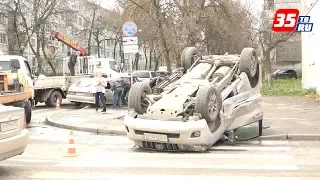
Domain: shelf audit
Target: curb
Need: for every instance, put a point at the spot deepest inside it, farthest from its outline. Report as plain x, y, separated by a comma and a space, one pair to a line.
84, 129
306, 137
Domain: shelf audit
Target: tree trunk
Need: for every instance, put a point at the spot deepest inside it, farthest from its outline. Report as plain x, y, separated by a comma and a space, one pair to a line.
145, 56
268, 67
45, 55
91, 29
137, 56
150, 55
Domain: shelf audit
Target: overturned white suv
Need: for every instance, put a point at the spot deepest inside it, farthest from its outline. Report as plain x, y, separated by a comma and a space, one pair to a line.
207, 99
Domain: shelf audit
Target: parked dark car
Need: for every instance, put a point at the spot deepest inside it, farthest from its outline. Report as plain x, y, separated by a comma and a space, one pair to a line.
285, 74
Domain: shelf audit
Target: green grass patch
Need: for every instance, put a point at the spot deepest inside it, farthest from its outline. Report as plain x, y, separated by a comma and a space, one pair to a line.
286, 87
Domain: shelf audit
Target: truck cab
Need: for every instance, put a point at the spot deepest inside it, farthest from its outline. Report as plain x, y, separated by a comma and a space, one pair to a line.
5, 67
14, 72
109, 66
24, 68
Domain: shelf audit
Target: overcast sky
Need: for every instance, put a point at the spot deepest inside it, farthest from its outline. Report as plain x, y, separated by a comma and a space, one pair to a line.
256, 4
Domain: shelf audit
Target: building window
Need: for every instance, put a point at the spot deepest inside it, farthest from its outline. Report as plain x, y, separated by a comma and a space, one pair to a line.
270, 4
108, 53
2, 19
48, 27
33, 42
108, 42
3, 39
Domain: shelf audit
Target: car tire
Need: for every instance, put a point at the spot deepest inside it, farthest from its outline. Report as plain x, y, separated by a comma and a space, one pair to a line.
77, 104
136, 97
188, 57
208, 99
28, 111
52, 100
249, 62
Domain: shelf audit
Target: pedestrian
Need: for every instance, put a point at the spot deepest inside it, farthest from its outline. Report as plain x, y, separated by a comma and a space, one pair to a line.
126, 87
117, 92
71, 64
100, 85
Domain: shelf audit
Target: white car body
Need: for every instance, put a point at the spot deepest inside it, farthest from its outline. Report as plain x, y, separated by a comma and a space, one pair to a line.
145, 76
83, 92
13, 134
162, 128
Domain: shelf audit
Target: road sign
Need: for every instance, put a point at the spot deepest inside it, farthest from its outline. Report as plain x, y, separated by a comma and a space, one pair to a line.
130, 49
129, 28
130, 41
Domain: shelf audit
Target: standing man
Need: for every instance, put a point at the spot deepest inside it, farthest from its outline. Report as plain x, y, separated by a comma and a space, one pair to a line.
100, 90
126, 87
117, 91
72, 62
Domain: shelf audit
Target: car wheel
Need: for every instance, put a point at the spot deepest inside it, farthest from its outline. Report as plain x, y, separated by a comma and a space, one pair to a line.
28, 111
137, 96
249, 64
208, 104
77, 104
188, 57
52, 100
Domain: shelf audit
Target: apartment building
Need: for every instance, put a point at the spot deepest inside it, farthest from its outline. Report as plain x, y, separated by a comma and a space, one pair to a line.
310, 46
286, 55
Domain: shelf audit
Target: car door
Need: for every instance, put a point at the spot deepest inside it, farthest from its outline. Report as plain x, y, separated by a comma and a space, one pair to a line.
109, 94
243, 108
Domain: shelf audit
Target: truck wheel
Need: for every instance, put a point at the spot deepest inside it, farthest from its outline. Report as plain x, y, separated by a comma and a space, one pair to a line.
137, 96
52, 100
188, 57
28, 111
208, 103
249, 62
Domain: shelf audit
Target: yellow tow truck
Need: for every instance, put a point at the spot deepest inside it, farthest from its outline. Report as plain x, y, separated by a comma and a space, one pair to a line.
16, 87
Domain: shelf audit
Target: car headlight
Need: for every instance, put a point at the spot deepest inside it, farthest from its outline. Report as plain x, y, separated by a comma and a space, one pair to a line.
195, 134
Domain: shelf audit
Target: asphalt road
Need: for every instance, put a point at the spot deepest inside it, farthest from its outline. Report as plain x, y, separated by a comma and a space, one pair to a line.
113, 157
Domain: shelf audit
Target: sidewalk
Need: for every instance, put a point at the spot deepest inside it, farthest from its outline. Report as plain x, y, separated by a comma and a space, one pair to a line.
284, 118
291, 118
90, 120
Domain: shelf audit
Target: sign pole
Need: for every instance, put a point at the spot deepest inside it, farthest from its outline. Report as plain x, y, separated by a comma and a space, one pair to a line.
131, 68
130, 43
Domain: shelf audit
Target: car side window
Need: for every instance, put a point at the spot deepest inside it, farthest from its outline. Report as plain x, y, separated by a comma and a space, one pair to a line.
142, 75
153, 74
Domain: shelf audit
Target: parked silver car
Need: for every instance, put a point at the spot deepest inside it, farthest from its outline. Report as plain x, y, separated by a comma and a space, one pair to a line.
13, 133
82, 92
145, 76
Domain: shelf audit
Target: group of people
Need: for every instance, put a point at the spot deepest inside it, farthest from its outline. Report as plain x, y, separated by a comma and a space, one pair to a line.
118, 87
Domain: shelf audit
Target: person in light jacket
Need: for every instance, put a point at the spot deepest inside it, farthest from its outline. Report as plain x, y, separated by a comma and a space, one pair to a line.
100, 85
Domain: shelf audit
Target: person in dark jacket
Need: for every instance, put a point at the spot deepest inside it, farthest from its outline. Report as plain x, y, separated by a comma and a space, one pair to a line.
117, 91
71, 64
126, 87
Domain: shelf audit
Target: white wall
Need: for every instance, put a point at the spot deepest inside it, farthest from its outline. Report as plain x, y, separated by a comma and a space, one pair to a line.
310, 47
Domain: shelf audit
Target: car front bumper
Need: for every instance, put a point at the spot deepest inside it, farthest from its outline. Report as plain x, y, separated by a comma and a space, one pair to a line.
180, 135
13, 146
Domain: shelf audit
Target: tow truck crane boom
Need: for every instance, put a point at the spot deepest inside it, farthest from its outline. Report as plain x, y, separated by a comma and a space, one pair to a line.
68, 42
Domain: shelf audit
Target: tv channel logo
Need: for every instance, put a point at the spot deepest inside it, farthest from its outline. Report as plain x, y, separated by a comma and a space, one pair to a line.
288, 20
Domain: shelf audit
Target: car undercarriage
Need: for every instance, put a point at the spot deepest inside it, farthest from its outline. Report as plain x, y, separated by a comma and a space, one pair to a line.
214, 93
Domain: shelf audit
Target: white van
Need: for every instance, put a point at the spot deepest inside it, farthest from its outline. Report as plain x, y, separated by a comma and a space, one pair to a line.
109, 67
